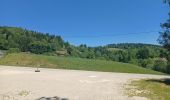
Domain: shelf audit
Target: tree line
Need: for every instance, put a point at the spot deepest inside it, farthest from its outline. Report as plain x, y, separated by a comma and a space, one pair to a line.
148, 56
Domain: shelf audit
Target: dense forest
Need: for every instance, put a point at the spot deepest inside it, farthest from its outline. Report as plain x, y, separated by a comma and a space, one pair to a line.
14, 39
29, 41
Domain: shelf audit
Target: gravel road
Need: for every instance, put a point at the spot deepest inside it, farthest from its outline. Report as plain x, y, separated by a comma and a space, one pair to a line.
22, 83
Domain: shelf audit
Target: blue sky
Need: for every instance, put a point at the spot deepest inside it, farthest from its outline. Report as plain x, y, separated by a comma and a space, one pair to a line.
91, 22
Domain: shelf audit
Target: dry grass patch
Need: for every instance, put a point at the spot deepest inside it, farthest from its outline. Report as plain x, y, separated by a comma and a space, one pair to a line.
153, 89
24, 93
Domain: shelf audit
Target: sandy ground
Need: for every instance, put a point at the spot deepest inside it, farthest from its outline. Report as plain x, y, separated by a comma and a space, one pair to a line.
20, 83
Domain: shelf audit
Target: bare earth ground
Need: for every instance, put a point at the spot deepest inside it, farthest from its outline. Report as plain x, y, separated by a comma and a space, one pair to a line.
21, 83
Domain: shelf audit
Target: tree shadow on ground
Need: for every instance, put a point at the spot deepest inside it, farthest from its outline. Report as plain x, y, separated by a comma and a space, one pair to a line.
52, 98
164, 80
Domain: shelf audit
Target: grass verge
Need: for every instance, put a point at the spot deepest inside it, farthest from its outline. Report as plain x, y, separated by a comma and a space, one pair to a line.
153, 89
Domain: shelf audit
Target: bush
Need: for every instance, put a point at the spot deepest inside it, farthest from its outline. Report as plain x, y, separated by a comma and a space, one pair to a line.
150, 63
168, 68
13, 50
160, 65
143, 62
39, 47
134, 61
146, 63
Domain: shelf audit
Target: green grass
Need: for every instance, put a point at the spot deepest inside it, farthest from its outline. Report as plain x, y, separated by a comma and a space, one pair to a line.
32, 60
153, 89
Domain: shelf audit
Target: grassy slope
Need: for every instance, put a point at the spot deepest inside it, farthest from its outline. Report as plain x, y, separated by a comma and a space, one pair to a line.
23, 59
154, 89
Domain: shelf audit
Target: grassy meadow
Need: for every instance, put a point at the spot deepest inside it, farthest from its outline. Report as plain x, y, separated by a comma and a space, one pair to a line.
33, 60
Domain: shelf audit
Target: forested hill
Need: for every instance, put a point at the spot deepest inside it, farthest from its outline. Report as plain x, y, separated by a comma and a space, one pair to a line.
14, 39
32, 41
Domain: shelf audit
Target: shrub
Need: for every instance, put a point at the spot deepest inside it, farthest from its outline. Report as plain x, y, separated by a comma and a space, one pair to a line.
150, 63
39, 47
134, 61
13, 50
168, 68
160, 65
146, 63
143, 62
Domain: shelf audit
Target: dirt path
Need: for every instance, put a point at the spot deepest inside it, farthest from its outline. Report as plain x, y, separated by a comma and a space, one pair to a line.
20, 83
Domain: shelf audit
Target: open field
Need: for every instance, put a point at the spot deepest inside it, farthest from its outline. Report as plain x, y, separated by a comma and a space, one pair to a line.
22, 83
23, 59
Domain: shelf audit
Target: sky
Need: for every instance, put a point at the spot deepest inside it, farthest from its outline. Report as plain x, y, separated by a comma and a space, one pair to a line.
91, 22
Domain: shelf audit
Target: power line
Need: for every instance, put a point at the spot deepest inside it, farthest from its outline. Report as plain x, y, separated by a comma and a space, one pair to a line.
108, 35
